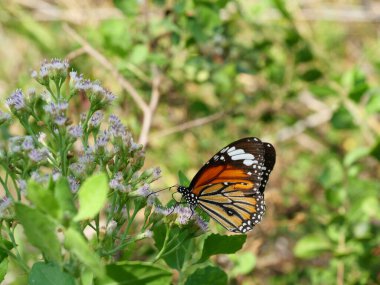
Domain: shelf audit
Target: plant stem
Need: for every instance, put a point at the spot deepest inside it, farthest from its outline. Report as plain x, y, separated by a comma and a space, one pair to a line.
8, 194
17, 257
168, 228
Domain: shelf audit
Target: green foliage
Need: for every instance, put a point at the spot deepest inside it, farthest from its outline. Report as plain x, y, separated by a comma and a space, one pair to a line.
209, 275
183, 180
78, 245
49, 274
243, 263
311, 246
139, 273
92, 196
43, 199
40, 231
176, 240
237, 68
3, 268
217, 244
64, 199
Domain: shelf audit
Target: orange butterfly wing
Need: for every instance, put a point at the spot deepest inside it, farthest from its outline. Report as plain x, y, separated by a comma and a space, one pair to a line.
230, 186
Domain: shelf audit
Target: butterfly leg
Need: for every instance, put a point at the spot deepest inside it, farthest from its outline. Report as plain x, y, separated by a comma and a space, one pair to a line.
192, 211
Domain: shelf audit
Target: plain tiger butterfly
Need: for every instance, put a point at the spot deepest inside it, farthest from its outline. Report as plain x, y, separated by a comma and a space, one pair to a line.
230, 186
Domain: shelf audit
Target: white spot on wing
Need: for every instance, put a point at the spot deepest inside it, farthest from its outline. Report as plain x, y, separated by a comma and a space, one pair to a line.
242, 156
248, 162
224, 149
231, 149
236, 152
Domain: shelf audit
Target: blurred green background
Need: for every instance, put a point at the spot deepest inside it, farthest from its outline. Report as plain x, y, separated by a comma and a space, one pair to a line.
193, 76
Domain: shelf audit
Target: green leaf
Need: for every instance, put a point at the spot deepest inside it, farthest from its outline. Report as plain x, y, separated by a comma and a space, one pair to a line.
139, 54
218, 244
40, 230
49, 274
3, 268
209, 275
303, 55
280, 5
179, 243
78, 245
87, 277
357, 82
183, 180
332, 174
335, 195
321, 90
311, 246
43, 199
358, 91
135, 273
129, 8
311, 75
373, 105
355, 155
375, 151
243, 263
4, 246
342, 119
92, 196
64, 196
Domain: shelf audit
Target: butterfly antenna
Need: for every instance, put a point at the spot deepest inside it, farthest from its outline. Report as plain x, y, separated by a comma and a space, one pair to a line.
167, 188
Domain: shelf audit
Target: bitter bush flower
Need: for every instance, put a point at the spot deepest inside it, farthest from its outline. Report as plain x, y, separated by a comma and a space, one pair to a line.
52, 164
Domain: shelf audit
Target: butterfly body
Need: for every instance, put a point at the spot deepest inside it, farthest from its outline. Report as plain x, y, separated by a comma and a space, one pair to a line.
230, 186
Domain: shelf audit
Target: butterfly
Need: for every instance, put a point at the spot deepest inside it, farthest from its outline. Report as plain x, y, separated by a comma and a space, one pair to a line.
230, 186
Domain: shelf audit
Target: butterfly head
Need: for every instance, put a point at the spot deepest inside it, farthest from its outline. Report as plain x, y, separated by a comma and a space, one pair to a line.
182, 189
189, 197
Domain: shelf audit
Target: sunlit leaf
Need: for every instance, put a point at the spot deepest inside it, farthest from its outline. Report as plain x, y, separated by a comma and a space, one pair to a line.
64, 196
40, 230
3, 268
218, 244
92, 196
183, 180
49, 274
209, 275
43, 198
135, 273
311, 246
78, 245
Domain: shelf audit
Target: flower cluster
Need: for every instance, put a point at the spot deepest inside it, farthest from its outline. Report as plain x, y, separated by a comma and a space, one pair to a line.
97, 94
60, 149
16, 102
59, 144
54, 70
184, 215
5, 207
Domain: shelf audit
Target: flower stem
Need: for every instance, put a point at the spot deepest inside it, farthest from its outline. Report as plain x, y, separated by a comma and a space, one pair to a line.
17, 256
168, 228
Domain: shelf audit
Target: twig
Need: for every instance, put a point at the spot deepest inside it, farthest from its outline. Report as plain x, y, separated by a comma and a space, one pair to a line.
148, 114
341, 15
108, 65
148, 110
75, 53
190, 124
83, 12
311, 121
